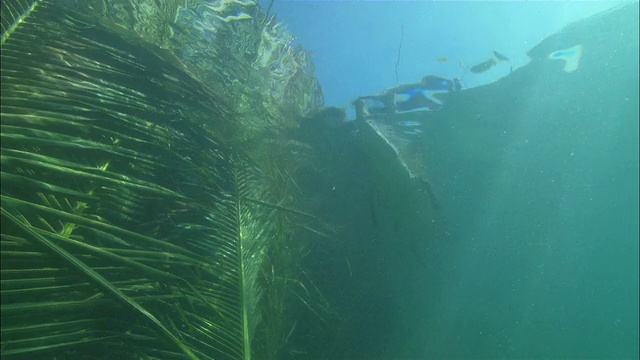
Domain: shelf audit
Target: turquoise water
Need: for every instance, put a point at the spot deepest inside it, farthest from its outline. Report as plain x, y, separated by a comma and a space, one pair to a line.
538, 174
169, 199
536, 177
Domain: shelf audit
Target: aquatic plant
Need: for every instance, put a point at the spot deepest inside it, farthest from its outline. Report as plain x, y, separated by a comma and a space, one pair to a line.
138, 220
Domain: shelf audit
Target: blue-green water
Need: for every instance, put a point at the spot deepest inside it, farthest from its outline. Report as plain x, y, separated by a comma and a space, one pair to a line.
537, 178
170, 191
536, 182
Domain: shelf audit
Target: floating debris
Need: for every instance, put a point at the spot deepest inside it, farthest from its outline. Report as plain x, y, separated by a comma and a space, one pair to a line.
488, 64
410, 123
571, 57
500, 56
483, 66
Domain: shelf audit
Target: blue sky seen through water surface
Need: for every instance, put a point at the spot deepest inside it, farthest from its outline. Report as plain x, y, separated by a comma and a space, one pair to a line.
355, 43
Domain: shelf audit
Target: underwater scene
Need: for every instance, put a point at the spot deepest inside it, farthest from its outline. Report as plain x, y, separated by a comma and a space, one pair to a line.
244, 179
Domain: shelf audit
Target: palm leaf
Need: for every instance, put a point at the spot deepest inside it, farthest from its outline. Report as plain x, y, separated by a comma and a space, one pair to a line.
102, 283
13, 13
130, 224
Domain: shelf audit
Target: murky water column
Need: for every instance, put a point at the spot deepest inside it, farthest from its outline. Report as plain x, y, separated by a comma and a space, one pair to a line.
537, 176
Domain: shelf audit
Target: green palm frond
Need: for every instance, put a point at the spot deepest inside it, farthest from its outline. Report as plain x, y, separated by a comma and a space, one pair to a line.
13, 13
130, 224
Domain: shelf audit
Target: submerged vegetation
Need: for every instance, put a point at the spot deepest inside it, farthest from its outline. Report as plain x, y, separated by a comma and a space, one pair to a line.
147, 209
